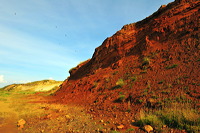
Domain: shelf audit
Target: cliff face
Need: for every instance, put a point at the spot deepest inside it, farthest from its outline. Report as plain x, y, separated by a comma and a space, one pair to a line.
158, 56
175, 23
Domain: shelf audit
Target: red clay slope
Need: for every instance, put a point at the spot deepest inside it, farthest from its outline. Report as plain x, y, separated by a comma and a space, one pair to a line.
157, 57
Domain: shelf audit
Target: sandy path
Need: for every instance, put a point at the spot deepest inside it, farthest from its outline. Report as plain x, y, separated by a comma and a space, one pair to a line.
8, 117
41, 116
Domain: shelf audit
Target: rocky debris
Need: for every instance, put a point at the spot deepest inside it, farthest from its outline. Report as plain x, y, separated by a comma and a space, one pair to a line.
148, 128
165, 44
101, 121
21, 123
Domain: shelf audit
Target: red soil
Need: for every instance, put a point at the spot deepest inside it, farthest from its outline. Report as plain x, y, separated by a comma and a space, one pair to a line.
156, 57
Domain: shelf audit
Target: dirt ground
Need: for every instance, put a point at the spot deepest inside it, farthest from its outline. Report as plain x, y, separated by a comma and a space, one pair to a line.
41, 116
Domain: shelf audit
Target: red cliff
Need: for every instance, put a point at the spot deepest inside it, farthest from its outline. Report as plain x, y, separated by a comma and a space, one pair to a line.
156, 57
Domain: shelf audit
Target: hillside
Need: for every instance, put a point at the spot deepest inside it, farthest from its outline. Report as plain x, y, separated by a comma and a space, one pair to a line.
43, 85
147, 73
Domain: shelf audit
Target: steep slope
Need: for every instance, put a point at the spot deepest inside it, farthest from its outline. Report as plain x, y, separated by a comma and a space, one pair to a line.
149, 64
44, 85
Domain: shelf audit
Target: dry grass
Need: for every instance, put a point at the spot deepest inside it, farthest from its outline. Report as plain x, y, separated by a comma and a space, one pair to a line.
179, 116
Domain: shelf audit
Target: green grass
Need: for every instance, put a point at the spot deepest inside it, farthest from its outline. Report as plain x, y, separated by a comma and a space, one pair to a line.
113, 131
3, 99
4, 94
130, 129
26, 92
171, 66
143, 72
116, 72
95, 84
160, 82
145, 61
134, 78
179, 116
150, 119
120, 99
119, 84
139, 101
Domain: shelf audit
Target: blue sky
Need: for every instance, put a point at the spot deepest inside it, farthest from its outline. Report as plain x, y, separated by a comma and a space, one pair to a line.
43, 39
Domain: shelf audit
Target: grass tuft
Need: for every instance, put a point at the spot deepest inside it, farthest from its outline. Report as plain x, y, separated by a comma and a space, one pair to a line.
119, 84
179, 116
171, 66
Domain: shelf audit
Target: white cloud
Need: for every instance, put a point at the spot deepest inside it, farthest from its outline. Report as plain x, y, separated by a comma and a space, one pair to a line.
2, 80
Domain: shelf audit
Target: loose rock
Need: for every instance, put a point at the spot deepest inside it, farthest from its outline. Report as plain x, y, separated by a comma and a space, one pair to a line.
120, 126
67, 116
148, 128
21, 123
